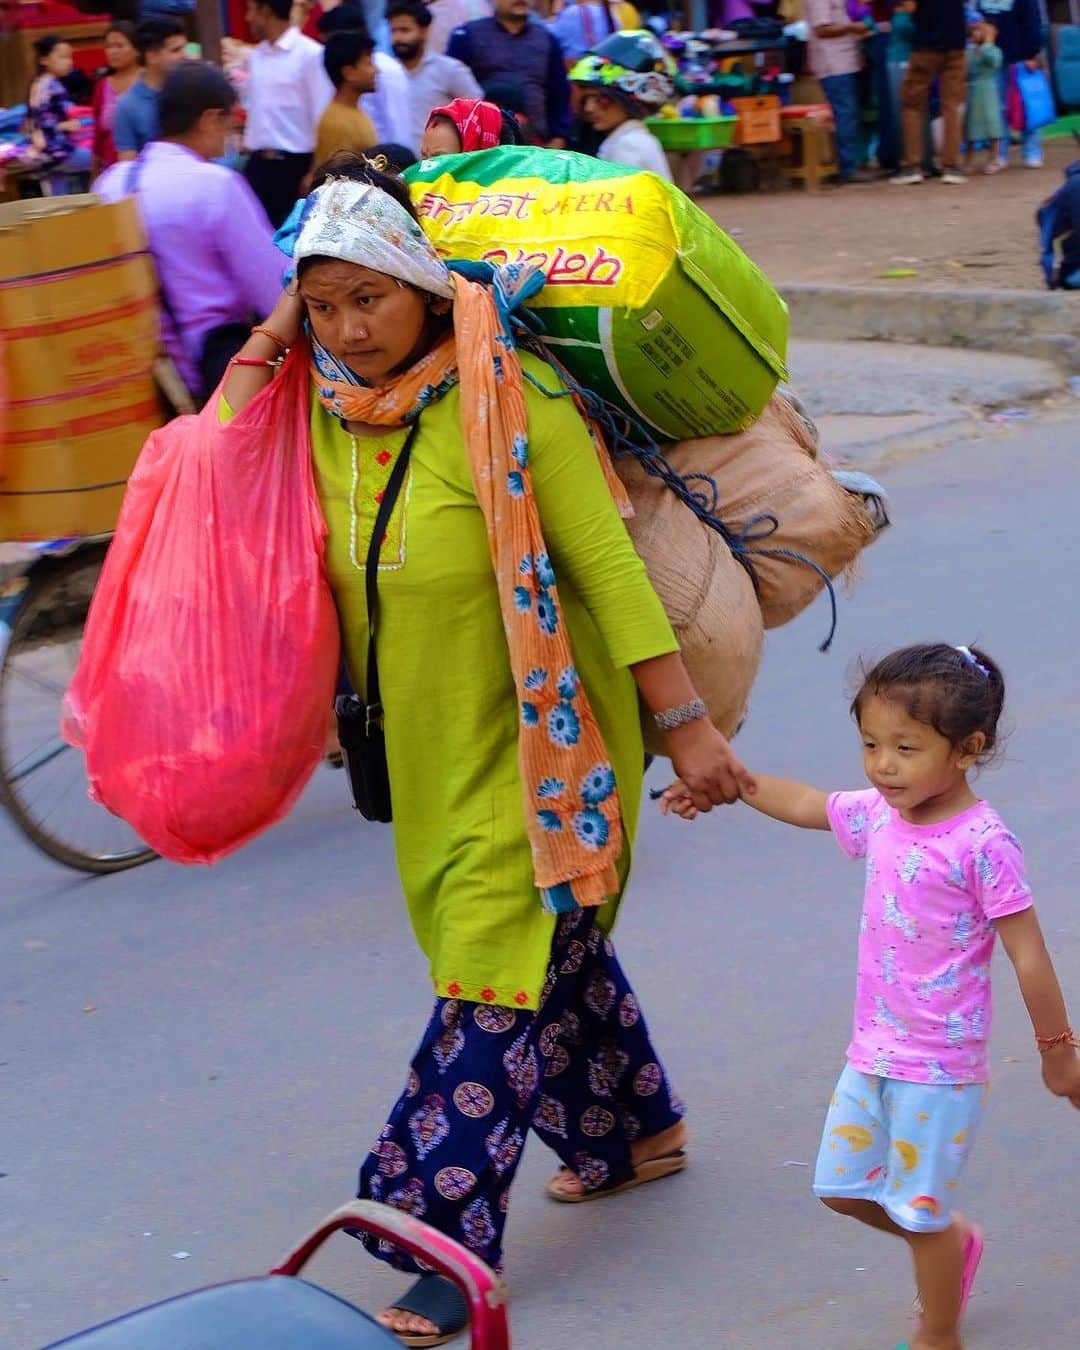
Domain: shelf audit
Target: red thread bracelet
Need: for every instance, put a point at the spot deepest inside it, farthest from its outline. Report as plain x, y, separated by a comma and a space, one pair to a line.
255, 361
278, 342
1066, 1037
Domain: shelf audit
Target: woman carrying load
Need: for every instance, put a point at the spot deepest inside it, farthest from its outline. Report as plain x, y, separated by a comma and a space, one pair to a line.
516, 628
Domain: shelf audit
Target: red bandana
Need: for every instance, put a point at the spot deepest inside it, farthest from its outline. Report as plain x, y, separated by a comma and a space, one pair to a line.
479, 124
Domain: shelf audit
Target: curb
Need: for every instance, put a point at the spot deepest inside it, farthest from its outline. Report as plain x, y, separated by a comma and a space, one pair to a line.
1027, 323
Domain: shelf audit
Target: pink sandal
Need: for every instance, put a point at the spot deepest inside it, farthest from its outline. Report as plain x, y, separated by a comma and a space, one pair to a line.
974, 1242
971, 1250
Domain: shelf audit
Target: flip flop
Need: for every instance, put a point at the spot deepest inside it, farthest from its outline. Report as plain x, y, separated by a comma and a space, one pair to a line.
650, 1170
971, 1250
974, 1241
441, 1302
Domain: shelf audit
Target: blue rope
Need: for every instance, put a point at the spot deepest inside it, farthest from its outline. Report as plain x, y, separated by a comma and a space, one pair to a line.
625, 435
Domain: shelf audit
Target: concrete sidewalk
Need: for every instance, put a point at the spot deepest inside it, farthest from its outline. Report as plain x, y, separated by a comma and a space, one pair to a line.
1040, 324
872, 400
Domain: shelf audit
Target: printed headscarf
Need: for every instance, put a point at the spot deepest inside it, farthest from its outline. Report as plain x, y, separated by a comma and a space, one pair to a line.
572, 810
479, 124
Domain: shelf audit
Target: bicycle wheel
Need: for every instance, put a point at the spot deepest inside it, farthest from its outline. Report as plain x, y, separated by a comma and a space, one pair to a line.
43, 779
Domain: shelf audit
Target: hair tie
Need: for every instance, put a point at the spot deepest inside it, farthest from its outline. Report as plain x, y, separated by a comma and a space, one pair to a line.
972, 660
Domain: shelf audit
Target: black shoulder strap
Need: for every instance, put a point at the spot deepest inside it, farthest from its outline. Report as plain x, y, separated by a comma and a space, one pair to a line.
382, 520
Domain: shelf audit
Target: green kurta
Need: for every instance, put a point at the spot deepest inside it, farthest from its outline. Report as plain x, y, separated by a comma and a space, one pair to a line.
451, 711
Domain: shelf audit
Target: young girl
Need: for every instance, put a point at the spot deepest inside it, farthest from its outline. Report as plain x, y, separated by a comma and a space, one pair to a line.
984, 122
53, 125
944, 877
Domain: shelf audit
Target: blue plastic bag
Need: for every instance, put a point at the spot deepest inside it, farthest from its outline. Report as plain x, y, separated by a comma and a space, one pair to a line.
1037, 97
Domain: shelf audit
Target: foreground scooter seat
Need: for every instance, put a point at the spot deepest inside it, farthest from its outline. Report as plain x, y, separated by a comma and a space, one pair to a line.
269, 1312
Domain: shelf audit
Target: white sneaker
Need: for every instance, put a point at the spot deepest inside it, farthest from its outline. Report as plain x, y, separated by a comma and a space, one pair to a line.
954, 177
906, 177
1033, 161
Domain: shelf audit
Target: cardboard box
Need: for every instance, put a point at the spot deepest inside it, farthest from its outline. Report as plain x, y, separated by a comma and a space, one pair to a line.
758, 120
80, 331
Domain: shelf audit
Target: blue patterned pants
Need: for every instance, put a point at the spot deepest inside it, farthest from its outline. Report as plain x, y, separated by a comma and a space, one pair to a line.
581, 1071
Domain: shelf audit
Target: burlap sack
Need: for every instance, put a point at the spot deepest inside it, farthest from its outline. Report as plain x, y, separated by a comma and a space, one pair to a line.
772, 469
708, 596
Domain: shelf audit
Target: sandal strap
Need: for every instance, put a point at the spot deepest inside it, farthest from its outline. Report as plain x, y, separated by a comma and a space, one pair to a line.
439, 1300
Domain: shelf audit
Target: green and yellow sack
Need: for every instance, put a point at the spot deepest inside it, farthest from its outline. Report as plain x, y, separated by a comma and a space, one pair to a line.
647, 301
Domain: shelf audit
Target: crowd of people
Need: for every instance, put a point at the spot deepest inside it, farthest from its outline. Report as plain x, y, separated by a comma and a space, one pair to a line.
947, 77
946, 82
290, 101
321, 78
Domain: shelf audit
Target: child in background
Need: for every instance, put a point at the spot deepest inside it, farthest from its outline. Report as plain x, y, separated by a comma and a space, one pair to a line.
944, 879
625, 79
984, 123
54, 125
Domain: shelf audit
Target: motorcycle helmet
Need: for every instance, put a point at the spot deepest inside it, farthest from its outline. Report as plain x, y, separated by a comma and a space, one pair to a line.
631, 67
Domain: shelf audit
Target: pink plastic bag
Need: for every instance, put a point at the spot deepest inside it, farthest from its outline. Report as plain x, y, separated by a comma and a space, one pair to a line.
204, 690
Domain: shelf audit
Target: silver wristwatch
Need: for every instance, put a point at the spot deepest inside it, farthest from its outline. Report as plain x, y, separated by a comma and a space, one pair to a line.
673, 718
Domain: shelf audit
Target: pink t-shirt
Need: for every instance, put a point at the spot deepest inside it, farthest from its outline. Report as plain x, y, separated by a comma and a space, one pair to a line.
922, 1005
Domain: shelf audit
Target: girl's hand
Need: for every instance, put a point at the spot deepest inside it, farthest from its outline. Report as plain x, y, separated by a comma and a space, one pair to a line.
1061, 1073
710, 770
676, 800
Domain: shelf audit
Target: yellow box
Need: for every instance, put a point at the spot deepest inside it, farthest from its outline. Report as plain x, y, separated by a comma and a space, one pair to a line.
80, 329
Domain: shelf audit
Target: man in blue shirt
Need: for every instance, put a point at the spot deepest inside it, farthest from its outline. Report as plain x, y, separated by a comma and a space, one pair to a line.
162, 44
511, 46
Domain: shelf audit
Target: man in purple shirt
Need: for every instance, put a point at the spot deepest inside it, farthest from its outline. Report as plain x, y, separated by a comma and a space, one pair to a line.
212, 243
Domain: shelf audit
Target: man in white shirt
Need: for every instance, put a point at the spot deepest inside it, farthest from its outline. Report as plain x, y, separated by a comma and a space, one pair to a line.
388, 107
434, 79
288, 93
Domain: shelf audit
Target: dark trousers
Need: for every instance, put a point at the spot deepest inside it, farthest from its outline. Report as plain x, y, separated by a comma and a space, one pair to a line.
276, 182
889, 147
842, 91
581, 1071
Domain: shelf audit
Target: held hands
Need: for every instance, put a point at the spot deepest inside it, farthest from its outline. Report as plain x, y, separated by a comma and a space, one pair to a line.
1061, 1071
675, 800
709, 770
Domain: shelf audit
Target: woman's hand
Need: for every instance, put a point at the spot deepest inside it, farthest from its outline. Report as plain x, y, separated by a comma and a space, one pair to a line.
286, 317
707, 765
260, 354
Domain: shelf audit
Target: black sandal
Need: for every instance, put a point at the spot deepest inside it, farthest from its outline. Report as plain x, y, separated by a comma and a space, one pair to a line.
441, 1302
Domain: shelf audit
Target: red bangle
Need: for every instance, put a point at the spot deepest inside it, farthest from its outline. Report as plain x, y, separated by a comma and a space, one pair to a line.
255, 361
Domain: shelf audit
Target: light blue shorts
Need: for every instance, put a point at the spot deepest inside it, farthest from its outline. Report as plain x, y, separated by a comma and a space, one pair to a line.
901, 1145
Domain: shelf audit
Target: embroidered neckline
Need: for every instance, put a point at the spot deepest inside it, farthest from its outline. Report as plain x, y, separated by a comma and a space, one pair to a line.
377, 474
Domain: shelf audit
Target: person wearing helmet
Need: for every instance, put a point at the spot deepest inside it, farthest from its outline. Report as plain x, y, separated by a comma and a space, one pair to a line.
626, 78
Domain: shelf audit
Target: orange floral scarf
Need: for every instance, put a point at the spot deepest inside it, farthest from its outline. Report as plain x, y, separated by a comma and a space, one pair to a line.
571, 802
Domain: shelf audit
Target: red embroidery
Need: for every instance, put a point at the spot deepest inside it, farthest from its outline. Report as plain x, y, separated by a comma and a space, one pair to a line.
453, 989
521, 997
487, 995
383, 457
379, 496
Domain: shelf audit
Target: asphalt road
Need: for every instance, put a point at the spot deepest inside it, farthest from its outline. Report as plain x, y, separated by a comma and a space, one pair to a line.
252, 1023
